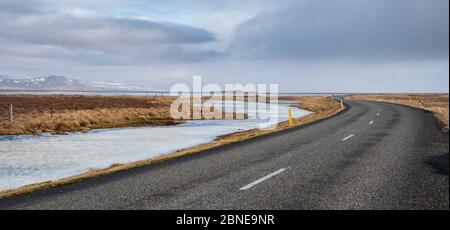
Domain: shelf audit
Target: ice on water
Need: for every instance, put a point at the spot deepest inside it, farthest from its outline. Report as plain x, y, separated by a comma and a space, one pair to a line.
32, 159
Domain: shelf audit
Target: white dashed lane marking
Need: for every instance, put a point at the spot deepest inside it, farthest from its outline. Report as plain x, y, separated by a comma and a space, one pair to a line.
262, 179
350, 136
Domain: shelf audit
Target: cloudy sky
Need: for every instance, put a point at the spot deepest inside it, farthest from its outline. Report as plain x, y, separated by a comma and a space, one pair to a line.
303, 45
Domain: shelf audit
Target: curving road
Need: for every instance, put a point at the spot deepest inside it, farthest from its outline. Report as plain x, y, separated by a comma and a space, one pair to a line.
371, 156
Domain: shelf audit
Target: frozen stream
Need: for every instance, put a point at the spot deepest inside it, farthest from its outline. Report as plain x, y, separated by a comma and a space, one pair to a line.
32, 159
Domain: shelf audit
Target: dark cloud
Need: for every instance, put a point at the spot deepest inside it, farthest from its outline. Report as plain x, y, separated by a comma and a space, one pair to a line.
14, 7
102, 33
170, 32
102, 39
351, 29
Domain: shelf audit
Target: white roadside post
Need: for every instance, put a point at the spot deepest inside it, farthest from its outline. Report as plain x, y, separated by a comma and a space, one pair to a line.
11, 114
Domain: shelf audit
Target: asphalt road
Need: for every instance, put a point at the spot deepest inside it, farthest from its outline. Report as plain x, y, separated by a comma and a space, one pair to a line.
371, 156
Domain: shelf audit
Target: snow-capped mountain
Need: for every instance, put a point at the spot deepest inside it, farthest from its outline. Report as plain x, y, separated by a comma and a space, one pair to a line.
64, 83
120, 86
42, 83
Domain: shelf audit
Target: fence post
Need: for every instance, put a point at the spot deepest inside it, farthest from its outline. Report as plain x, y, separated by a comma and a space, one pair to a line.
51, 111
11, 114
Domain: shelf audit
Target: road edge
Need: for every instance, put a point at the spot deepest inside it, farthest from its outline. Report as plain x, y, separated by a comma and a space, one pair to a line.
117, 168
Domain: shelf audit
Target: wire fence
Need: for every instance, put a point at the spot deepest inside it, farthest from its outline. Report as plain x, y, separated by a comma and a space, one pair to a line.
13, 107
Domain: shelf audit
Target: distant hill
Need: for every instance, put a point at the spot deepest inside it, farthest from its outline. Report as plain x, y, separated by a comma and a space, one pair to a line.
42, 83
62, 83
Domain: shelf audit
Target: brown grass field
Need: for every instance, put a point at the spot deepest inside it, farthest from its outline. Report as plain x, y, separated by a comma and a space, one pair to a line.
59, 114
322, 107
436, 103
62, 114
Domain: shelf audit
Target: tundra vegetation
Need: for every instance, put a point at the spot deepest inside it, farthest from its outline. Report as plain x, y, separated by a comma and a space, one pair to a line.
59, 114
34, 114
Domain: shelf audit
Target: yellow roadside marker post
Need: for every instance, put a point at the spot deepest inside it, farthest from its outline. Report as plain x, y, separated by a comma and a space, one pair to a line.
290, 116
